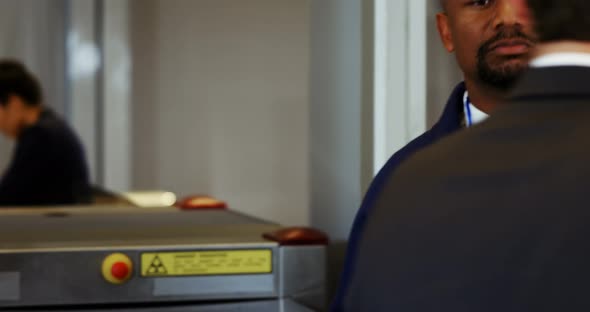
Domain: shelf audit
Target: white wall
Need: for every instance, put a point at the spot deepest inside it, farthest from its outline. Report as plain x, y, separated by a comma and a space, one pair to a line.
84, 66
116, 95
414, 75
336, 114
375, 57
33, 31
220, 102
443, 71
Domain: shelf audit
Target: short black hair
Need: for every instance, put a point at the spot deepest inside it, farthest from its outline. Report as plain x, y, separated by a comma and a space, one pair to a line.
16, 80
558, 20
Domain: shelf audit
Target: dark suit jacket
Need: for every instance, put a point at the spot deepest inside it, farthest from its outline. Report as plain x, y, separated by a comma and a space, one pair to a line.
48, 167
494, 218
450, 121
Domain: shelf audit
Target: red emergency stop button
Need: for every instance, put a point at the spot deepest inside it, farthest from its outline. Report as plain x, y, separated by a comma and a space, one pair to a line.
120, 270
117, 268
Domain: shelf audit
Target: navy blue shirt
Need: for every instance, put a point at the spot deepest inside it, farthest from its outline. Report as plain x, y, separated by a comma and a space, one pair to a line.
450, 121
48, 167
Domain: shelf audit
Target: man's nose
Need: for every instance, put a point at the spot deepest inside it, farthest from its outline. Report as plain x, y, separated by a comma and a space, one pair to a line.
512, 12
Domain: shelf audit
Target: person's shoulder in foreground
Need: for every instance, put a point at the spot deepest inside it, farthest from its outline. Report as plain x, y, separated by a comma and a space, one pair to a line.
483, 221
502, 224
450, 121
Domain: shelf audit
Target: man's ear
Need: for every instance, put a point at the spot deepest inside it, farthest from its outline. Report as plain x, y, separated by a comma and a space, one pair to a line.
444, 31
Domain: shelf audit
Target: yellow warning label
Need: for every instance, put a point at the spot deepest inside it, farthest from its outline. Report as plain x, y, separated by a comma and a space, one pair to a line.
195, 263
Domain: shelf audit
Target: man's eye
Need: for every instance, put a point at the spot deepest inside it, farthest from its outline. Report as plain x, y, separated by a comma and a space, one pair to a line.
480, 3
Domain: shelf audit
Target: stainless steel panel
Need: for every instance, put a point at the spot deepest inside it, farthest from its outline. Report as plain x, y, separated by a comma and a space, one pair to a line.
53, 257
74, 278
10, 286
303, 275
256, 306
126, 228
210, 286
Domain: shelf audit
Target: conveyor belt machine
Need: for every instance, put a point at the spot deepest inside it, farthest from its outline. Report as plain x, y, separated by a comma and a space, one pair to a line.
165, 260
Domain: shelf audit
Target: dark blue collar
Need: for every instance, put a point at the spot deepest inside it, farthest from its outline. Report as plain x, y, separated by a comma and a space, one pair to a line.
452, 116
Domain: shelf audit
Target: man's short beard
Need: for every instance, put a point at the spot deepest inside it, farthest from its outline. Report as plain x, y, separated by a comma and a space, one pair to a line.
504, 76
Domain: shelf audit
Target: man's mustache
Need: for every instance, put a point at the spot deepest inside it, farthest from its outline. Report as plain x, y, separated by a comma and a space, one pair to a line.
505, 33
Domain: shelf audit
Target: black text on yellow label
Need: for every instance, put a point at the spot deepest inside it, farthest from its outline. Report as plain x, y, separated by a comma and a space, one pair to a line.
195, 263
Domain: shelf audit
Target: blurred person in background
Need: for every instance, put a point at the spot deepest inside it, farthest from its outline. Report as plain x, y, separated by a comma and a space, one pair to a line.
48, 166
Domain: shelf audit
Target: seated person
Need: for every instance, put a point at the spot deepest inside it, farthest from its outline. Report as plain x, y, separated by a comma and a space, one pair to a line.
48, 166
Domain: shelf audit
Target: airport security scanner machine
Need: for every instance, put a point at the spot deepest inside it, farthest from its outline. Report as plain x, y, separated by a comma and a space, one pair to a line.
156, 260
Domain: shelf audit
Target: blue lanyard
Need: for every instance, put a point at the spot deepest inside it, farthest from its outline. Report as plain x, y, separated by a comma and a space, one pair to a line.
467, 109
